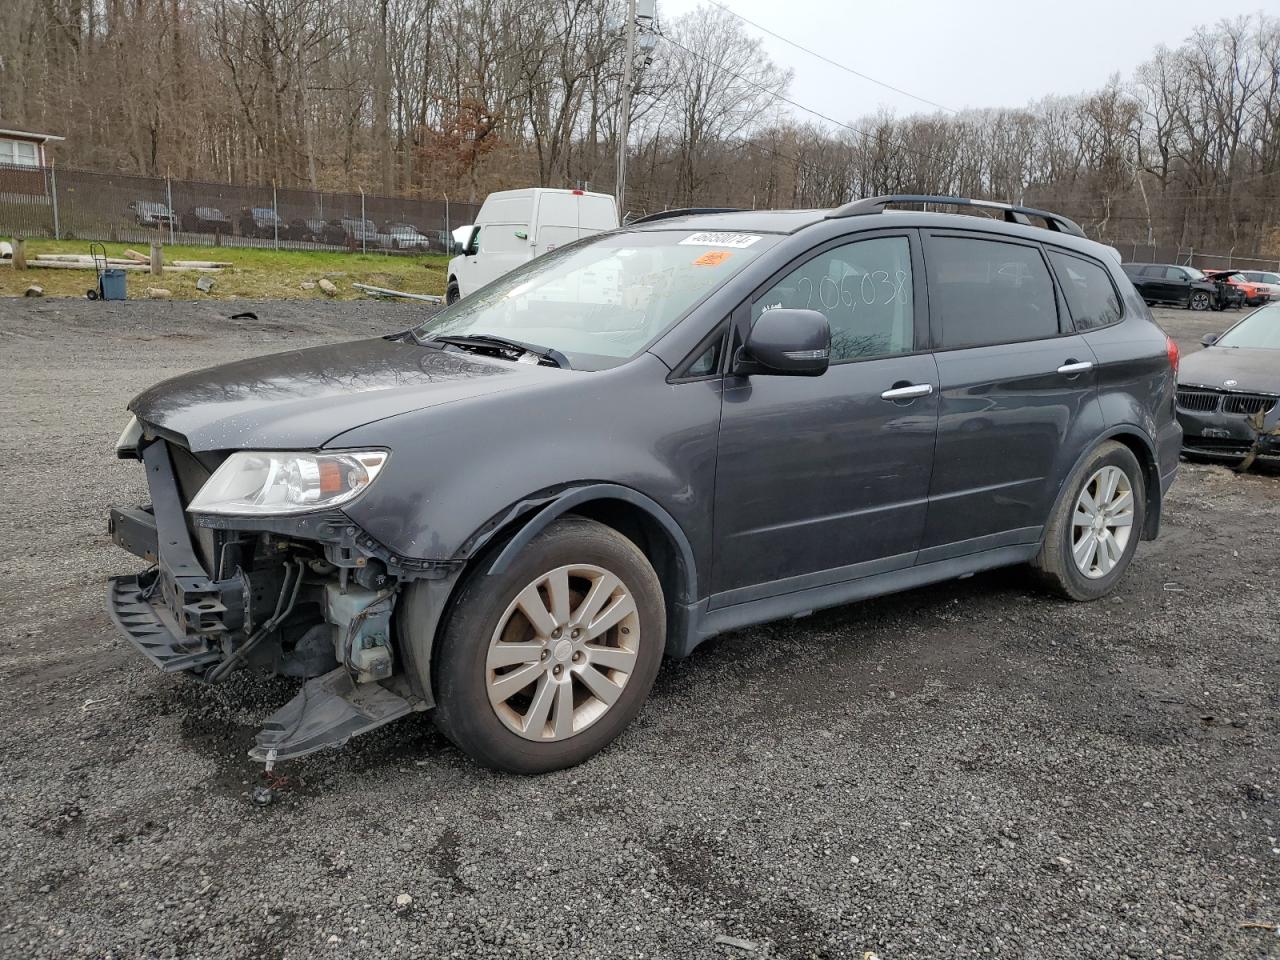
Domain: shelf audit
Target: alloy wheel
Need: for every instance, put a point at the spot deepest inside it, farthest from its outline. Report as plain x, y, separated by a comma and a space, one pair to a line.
1102, 522
1200, 301
562, 652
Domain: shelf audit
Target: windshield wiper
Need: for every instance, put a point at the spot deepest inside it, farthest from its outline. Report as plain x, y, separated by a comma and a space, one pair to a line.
487, 341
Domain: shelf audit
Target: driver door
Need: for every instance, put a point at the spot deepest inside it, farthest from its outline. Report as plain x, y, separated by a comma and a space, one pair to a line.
825, 479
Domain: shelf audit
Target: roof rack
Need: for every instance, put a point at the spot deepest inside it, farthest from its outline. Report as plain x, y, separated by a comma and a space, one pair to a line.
1012, 214
684, 212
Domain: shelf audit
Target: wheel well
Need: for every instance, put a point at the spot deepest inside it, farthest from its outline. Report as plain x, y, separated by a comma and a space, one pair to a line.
628, 519
648, 534
1150, 478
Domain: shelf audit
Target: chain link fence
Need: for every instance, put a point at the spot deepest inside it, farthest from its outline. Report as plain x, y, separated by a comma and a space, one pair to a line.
68, 204
1191, 257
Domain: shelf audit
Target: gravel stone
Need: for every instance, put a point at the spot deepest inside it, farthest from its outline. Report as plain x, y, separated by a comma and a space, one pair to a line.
1042, 783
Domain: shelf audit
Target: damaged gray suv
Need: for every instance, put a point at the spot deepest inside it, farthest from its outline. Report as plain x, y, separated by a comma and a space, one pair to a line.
511, 513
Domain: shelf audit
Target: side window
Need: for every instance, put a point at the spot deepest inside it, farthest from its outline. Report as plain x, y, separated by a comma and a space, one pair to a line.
1090, 294
987, 291
864, 290
1175, 273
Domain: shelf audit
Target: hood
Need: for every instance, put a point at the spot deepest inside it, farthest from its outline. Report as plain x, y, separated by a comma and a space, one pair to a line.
1255, 371
299, 400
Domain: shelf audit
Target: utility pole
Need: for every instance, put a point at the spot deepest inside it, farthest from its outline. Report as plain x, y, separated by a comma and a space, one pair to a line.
642, 17
628, 64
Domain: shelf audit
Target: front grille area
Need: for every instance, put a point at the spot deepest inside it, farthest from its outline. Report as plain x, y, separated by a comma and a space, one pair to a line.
1248, 403
1198, 400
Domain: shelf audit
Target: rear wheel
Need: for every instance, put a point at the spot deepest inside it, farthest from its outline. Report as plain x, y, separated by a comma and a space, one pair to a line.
1199, 300
542, 665
1094, 531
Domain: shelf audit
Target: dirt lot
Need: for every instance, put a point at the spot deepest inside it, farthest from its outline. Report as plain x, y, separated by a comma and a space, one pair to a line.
970, 769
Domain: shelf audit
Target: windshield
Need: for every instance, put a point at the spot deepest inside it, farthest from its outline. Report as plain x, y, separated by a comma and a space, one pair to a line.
1260, 330
602, 300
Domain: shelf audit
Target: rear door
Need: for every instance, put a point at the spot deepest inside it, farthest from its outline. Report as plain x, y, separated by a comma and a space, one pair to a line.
824, 479
1015, 381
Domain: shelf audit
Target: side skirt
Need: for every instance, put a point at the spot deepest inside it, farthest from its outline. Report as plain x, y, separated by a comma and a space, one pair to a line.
704, 623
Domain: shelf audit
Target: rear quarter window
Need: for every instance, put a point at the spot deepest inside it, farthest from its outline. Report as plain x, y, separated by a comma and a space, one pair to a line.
986, 292
1091, 296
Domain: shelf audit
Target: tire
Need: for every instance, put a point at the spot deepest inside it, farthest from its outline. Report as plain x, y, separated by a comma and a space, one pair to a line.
452, 293
1199, 301
488, 637
1057, 563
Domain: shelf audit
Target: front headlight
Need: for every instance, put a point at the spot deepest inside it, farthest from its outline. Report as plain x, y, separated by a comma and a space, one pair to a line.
258, 483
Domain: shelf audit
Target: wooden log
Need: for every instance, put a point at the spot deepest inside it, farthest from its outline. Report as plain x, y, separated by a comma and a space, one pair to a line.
63, 265
139, 257
201, 263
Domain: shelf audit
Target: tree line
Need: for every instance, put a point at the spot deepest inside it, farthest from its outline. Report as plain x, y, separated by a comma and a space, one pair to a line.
427, 98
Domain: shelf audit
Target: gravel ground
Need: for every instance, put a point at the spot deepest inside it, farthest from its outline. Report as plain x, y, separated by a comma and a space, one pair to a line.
965, 770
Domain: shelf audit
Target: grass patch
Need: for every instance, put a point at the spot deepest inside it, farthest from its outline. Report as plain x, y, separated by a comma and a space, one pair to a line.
257, 274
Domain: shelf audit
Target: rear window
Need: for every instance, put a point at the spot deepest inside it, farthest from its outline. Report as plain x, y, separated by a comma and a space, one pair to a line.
1091, 296
989, 291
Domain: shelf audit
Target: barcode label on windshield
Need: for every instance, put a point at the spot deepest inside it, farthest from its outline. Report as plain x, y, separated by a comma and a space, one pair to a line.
735, 240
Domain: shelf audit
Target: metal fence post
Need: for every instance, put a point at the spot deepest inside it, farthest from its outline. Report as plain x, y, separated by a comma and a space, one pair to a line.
364, 226
168, 187
275, 218
53, 200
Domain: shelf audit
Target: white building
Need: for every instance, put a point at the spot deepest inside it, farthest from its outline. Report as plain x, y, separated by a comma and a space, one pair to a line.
22, 148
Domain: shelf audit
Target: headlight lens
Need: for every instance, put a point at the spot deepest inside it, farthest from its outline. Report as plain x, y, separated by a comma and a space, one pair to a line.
257, 483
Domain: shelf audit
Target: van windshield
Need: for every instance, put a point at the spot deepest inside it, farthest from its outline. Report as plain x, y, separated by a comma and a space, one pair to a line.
602, 300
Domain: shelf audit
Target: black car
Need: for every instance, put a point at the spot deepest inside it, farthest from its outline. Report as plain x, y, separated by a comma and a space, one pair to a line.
1176, 284
512, 512
206, 220
263, 223
1229, 393
316, 230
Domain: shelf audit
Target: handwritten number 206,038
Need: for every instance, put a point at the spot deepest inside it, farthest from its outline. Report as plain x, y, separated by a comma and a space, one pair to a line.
869, 288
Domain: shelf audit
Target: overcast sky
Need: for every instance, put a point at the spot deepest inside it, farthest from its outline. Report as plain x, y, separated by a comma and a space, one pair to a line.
962, 53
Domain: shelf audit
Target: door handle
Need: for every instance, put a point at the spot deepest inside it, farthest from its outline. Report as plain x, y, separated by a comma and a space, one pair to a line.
1072, 367
908, 393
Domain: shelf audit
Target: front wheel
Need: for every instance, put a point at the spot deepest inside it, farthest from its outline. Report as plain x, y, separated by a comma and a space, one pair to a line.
1199, 300
1094, 531
452, 293
542, 665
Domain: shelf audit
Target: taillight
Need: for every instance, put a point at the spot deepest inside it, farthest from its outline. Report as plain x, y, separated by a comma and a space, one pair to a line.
1171, 347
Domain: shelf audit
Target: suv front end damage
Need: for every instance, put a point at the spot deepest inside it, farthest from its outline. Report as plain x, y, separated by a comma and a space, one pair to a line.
305, 595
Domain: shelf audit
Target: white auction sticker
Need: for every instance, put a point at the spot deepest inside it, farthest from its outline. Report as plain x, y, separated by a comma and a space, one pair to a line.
734, 240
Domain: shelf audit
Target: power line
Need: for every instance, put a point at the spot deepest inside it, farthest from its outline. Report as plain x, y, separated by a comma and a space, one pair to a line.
800, 106
834, 63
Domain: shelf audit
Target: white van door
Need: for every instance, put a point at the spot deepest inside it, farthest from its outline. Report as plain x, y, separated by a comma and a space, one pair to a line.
502, 248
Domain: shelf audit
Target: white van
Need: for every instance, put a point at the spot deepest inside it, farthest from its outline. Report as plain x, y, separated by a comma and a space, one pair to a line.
514, 226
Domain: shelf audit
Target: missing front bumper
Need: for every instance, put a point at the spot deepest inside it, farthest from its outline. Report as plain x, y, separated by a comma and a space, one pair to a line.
151, 628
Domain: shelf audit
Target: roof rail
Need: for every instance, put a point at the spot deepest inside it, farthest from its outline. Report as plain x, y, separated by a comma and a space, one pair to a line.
1012, 214
683, 212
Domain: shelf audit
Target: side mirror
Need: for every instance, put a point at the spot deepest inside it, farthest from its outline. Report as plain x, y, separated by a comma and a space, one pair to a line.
1209, 339
783, 342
